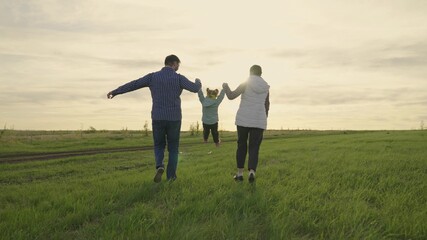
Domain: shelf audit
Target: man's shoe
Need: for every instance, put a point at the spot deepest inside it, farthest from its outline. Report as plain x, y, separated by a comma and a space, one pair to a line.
158, 176
251, 177
238, 178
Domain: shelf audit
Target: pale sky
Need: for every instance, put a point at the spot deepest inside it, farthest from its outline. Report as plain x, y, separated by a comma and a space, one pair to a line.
331, 64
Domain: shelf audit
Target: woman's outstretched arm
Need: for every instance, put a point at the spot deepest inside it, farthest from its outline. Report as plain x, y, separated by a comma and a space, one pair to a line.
233, 94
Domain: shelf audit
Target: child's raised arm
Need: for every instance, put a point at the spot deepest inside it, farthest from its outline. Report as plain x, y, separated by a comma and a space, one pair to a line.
201, 97
221, 96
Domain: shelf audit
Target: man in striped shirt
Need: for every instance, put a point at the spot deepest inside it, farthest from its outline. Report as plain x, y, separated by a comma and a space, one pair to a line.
166, 87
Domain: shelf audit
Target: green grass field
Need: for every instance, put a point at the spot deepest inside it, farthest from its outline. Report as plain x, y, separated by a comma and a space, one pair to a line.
310, 185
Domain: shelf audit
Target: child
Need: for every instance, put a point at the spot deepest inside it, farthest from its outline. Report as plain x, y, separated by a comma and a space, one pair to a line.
210, 105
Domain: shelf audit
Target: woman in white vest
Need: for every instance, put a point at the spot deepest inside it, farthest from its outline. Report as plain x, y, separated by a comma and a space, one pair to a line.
251, 119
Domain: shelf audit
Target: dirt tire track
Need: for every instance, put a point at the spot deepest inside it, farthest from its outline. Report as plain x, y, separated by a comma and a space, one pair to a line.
57, 155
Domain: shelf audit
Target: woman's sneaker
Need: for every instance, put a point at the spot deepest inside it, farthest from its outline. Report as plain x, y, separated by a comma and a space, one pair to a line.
251, 177
238, 178
158, 176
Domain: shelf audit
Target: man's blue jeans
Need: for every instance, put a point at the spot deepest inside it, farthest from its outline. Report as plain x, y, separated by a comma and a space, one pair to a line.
166, 131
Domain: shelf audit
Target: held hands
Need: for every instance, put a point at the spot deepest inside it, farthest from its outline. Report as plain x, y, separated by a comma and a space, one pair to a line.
198, 81
225, 85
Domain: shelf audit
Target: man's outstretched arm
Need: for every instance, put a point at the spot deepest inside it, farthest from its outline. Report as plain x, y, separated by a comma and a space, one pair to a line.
189, 85
131, 86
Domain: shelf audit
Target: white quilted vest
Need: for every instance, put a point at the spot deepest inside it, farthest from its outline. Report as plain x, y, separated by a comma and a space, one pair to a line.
251, 111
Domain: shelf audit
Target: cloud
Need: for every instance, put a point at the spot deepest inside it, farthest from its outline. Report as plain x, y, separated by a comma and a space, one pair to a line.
85, 16
122, 62
65, 57
317, 58
403, 55
42, 97
319, 95
370, 56
420, 102
408, 59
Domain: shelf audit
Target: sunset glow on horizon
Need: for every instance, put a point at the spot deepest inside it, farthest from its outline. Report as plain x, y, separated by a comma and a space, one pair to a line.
331, 64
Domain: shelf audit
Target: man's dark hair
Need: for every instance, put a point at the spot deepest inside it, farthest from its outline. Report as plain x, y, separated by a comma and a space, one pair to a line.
169, 60
256, 70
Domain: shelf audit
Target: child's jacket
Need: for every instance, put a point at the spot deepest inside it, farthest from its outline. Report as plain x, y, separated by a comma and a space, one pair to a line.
210, 107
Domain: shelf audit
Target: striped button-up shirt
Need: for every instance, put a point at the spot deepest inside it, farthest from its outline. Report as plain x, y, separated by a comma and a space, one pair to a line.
166, 87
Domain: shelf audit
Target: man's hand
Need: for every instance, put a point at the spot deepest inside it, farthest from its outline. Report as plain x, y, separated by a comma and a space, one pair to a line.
198, 81
110, 95
224, 85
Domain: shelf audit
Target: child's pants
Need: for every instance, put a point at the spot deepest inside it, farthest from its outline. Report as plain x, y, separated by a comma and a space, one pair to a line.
207, 128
